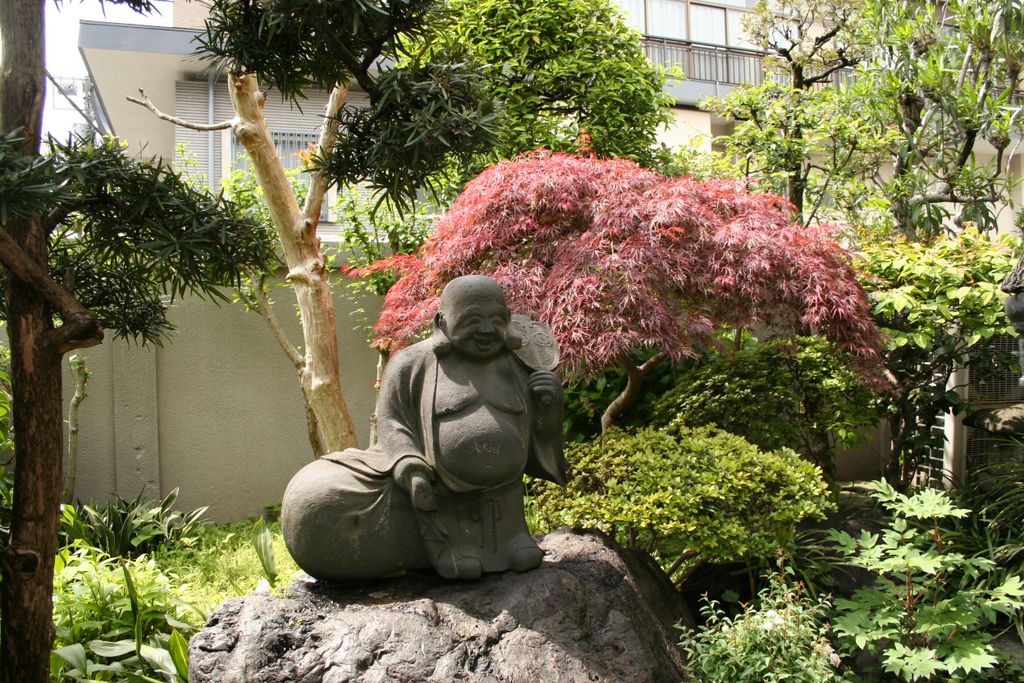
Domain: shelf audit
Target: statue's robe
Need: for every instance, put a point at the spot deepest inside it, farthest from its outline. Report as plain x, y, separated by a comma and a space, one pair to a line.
345, 517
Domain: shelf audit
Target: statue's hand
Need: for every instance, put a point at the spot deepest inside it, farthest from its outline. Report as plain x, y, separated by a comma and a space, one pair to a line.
545, 388
421, 492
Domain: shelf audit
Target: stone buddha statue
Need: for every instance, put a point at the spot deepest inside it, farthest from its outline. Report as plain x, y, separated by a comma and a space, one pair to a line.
462, 415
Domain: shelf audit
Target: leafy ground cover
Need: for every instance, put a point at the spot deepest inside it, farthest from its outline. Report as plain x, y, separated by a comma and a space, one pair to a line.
124, 610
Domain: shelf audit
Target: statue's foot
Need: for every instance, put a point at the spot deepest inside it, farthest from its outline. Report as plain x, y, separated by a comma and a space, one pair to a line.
523, 554
451, 564
450, 567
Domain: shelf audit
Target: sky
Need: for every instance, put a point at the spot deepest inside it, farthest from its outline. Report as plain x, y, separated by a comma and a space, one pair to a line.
63, 60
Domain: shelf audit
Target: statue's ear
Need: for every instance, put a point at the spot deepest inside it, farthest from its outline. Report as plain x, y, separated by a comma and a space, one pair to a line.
439, 321
513, 342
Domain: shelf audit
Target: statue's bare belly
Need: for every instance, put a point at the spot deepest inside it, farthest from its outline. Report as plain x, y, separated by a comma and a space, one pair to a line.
482, 446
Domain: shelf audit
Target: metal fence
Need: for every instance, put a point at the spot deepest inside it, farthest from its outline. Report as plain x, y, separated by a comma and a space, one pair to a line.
702, 62
719, 63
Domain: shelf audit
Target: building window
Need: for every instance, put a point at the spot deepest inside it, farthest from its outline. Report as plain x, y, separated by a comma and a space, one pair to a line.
712, 24
290, 147
666, 19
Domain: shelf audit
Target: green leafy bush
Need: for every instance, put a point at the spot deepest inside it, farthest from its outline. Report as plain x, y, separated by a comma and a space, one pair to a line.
798, 394
685, 495
118, 620
781, 638
926, 614
937, 303
129, 528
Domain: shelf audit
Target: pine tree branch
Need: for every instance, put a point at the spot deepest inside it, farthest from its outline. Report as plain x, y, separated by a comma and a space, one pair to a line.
80, 328
148, 104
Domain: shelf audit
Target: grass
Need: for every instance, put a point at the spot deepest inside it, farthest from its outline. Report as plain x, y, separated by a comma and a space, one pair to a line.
223, 564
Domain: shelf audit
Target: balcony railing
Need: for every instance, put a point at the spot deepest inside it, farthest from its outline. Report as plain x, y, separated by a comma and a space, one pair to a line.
703, 62
717, 63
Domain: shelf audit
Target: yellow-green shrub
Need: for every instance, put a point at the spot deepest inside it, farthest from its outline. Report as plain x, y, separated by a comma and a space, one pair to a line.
682, 493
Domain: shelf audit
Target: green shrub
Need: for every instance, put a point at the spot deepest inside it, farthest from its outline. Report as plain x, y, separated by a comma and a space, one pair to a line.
799, 394
685, 494
118, 619
130, 528
927, 612
782, 638
938, 303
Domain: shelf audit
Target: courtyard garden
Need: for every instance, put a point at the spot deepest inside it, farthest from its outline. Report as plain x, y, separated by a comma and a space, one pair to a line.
735, 317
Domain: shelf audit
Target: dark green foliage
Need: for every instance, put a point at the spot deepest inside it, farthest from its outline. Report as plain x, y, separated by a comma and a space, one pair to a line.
26, 182
298, 44
425, 117
685, 494
586, 399
129, 528
428, 104
569, 74
799, 394
128, 237
140, 6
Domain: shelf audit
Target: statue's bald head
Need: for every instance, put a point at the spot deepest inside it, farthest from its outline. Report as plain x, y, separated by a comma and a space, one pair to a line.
474, 318
469, 289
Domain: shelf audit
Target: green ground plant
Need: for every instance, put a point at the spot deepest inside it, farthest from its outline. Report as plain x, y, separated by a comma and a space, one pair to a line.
783, 636
130, 528
224, 563
995, 528
685, 495
927, 612
119, 619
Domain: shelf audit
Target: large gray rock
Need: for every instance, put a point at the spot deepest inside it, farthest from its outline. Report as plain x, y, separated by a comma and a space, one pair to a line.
1006, 420
590, 612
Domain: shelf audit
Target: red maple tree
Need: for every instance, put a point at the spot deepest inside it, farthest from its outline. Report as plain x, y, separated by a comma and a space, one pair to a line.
617, 258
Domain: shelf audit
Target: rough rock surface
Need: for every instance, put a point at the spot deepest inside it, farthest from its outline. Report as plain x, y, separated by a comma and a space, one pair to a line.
1008, 420
590, 612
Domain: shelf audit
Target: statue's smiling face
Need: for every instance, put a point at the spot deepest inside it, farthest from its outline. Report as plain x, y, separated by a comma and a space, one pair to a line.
479, 329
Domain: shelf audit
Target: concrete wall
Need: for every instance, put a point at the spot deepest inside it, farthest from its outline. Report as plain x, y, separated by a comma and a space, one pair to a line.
216, 411
190, 13
687, 124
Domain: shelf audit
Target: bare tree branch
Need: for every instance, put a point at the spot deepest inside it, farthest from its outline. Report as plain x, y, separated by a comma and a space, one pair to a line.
148, 104
263, 308
328, 134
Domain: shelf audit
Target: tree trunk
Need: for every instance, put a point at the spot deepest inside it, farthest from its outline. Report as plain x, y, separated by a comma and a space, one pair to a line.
80, 374
634, 381
26, 600
307, 272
